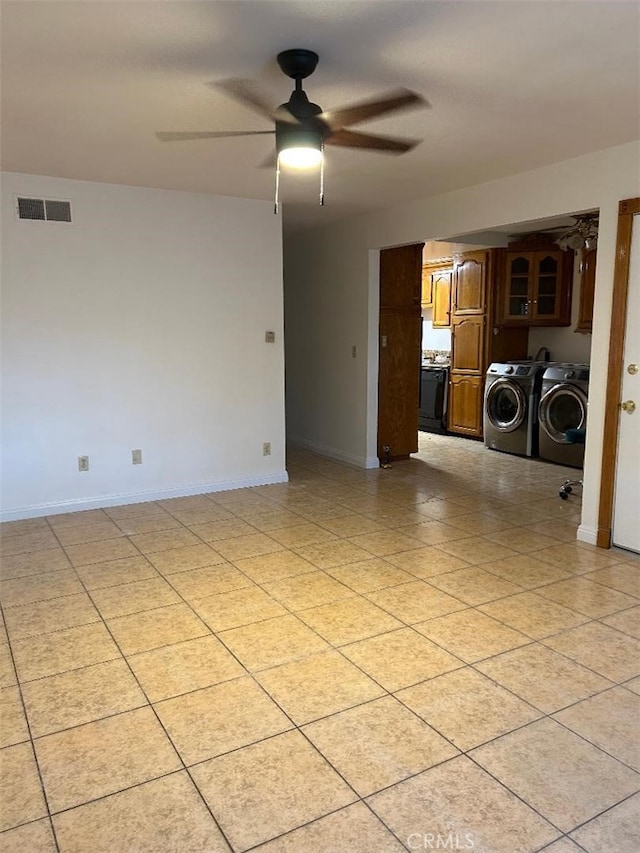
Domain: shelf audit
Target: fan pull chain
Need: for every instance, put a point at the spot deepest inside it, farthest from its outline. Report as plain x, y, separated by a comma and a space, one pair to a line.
276, 203
322, 174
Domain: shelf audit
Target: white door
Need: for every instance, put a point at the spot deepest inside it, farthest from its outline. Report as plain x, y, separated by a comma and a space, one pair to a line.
626, 501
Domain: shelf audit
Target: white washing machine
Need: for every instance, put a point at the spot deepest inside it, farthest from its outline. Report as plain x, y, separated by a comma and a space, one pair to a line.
563, 409
511, 397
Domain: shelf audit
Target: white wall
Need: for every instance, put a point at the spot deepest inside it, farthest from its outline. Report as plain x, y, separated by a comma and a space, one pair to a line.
434, 338
328, 270
324, 319
139, 325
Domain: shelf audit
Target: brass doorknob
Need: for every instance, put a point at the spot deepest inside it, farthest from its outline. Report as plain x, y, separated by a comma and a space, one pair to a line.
628, 406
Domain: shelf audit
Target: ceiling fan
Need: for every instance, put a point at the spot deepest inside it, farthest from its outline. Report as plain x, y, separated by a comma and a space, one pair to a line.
302, 128
583, 234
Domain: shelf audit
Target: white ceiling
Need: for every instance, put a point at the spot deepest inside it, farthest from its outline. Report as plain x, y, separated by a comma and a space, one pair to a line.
512, 85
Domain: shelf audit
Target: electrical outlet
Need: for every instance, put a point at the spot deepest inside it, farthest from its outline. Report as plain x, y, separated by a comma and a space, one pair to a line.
266, 448
270, 337
136, 457
83, 463
354, 352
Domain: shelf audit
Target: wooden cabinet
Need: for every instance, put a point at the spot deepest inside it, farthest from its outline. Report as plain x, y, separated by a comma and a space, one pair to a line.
466, 394
470, 306
537, 288
436, 292
476, 341
470, 284
426, 298
468, 346
441, 283
587, 291
399, 350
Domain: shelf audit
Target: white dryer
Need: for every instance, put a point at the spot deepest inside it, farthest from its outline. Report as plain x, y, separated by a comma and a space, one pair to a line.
562, 411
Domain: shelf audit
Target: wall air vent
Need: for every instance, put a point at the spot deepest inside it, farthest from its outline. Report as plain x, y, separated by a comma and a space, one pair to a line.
58, 211
45, 210
31, 208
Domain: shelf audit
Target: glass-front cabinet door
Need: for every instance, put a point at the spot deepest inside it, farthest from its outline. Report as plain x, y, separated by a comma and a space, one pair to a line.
546, 287
518, 295
537, 288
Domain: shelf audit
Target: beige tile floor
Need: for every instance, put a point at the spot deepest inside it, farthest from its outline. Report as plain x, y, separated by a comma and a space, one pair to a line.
408, 659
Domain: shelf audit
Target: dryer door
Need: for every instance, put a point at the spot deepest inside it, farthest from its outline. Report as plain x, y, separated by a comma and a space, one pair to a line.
562, 407
506, 405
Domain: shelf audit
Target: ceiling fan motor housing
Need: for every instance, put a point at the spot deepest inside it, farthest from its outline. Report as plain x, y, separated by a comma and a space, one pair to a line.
308, 130
307, 134
298, 63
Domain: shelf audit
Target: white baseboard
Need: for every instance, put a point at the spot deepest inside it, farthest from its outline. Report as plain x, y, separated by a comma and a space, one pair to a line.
587, 534
332, 453
37, 510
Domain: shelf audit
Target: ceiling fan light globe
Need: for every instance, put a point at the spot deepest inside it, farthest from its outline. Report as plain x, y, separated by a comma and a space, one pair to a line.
300, 157
576, 242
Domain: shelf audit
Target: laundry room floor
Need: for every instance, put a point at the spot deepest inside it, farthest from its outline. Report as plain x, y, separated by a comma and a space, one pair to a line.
416, 658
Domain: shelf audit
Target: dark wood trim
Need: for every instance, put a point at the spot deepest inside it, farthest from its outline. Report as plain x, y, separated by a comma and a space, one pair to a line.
626, 211
399, 358
401, 309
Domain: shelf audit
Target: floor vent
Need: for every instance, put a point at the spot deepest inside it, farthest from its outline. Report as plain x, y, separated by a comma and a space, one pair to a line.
45, 210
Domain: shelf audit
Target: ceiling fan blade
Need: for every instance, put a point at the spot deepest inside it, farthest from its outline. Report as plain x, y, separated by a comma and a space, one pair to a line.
247, 93
401, 99
179, 136
351, 139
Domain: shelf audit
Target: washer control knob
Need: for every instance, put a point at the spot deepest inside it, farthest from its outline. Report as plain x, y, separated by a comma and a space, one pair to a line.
569, 374
509, 370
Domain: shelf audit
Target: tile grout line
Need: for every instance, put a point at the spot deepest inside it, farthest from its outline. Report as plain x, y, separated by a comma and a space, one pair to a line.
187, 768
161, 724
298, 728
294, 613
31, 743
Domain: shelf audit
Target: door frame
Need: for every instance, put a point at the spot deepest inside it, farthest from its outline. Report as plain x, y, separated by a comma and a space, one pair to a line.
627, 209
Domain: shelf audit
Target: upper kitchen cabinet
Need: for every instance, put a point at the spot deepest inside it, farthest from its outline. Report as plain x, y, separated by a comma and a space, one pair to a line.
537, 287
587, 290
436, 292
442, 299
426, 299
470, 283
